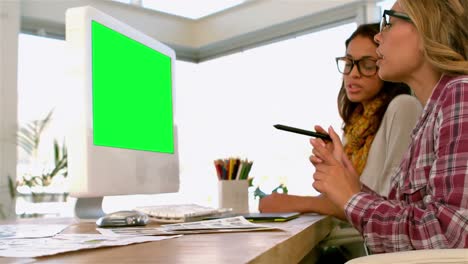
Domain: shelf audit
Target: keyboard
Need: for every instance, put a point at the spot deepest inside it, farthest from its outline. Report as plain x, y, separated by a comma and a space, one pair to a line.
177, 213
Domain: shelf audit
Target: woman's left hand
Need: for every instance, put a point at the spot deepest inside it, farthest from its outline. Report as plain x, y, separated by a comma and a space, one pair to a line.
331, 177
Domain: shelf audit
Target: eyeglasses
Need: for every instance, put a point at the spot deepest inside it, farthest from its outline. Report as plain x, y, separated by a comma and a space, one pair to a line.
366, 66
385, 23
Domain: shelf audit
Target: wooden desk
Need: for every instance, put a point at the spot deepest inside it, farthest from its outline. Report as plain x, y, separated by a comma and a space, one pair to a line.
300, 237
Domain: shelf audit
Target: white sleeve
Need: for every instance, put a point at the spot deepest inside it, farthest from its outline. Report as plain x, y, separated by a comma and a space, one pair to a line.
391, 142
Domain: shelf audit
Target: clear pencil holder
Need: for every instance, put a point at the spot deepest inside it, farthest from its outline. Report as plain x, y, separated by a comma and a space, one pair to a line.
234, 194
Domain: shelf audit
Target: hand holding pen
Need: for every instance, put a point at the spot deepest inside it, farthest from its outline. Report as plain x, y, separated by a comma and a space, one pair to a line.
335, 146
331, 177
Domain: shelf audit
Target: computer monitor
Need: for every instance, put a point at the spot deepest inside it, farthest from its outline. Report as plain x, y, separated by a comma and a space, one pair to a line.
122, 137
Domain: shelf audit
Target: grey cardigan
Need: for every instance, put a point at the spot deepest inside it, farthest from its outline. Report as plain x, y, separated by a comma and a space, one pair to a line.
390, 142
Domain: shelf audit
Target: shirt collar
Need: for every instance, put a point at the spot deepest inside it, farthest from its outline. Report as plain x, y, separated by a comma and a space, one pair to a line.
432, 102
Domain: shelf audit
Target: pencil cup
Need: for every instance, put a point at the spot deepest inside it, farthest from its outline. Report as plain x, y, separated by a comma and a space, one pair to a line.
234, 194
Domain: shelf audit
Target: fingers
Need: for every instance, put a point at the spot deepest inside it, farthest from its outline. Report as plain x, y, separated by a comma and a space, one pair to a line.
333, 135
335, 138
323, 131
320, 129
315, 160
349, 166
321, 152
318, 185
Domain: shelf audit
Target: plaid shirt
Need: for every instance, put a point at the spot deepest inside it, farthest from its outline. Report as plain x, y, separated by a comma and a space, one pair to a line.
427, 206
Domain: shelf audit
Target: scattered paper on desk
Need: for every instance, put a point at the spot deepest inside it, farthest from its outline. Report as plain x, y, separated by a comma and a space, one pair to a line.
30, 231
222, 225
238, 222
38, 247
134, 231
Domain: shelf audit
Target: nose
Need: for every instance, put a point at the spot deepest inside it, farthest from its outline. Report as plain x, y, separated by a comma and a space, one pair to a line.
378, 37
355, 72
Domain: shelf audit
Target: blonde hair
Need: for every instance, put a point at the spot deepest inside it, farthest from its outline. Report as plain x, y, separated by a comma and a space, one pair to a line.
443, 25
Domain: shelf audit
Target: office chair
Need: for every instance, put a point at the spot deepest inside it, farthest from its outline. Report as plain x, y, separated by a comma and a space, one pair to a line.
426, 256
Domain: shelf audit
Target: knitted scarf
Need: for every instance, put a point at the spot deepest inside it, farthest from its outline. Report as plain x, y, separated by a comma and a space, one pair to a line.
361, 132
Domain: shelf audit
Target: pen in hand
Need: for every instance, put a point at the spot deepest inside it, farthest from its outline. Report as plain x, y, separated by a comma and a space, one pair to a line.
303, 132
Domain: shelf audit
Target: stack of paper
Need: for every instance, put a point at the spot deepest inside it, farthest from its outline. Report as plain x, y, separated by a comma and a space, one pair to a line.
222, 225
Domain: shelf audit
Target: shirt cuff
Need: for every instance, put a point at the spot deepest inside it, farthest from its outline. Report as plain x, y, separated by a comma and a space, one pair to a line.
356, 207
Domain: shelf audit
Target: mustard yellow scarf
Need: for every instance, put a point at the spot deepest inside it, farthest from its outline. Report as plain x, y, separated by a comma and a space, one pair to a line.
361, 132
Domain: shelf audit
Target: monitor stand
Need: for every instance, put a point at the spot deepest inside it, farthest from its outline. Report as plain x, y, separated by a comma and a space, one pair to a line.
89, 208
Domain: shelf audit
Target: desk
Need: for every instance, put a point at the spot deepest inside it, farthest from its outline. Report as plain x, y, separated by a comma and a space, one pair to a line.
300, 237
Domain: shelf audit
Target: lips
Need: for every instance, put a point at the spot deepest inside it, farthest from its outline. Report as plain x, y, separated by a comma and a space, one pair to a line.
380, 58
353, 88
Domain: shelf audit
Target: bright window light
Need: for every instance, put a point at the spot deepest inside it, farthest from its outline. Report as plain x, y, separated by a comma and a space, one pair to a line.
191, 9
386, 4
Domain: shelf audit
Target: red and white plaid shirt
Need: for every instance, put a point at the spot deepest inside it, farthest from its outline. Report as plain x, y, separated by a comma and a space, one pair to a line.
427, 206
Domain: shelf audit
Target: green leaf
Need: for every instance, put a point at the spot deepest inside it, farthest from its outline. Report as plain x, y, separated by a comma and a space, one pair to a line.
259, 193
29, 135
28, 138
56, 152
12, 187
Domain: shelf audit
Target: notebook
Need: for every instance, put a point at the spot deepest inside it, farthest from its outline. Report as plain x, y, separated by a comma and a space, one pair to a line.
270, 217
177, 213
259, 217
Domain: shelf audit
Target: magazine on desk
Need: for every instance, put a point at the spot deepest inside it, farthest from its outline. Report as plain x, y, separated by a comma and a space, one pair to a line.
222, 225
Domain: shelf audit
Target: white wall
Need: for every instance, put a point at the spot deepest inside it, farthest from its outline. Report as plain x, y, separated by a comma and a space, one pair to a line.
9, 28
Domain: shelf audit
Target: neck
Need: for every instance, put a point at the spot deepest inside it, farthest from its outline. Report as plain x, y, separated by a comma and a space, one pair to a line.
364, 105
368, 103
423, 83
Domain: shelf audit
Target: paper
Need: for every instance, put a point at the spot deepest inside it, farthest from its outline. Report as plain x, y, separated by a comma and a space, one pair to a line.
30, 231
38, 247
222, 225
237, 222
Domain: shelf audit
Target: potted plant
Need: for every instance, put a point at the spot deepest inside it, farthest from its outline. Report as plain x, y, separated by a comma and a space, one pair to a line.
33, 185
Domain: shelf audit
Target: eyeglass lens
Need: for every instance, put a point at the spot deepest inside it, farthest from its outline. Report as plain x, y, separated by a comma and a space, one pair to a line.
366, 67
384, 22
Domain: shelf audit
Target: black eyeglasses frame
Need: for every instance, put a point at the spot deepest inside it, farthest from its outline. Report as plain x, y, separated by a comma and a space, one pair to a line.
356, 62
384, 23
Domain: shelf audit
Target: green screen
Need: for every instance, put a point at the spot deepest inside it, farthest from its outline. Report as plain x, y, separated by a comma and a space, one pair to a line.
132, 93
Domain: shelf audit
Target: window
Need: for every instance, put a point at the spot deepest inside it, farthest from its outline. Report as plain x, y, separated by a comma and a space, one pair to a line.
224, 107
228, 106
42, 88
386, 4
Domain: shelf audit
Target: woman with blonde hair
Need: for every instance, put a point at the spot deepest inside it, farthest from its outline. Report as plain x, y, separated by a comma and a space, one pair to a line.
423, 43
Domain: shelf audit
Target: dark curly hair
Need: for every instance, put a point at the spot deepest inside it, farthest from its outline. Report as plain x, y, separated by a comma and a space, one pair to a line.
345, 106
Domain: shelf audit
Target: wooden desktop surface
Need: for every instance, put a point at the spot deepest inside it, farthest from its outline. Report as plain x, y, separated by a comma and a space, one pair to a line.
300, 236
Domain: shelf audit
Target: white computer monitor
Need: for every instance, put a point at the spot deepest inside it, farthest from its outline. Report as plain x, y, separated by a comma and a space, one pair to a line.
122, 139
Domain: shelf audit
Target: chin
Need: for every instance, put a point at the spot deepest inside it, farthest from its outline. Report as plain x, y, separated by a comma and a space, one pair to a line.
384, 75
354, 98
388, 75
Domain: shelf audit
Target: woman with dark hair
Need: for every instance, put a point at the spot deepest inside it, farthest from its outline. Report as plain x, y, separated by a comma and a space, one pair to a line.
378, 117
370, 151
